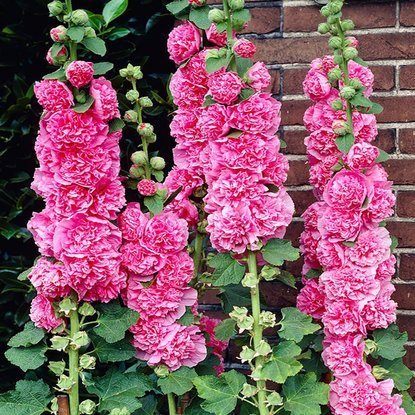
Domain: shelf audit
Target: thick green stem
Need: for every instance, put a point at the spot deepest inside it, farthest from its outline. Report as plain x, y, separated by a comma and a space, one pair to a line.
229, 32
257, 332
197, 255
74, 366
172, 404
73, 55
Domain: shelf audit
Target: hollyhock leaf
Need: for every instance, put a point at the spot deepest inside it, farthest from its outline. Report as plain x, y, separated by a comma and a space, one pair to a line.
314, 364
408, 404
394, 244
243, 15
148, 405
118, 390
283, 144
398, 372
23, 275
101, 68
154, 204
225, 329
27, 358
286, 278
188, 318
313, 273
390, 342
116, 124
214, 64
375, 109
234, 295
345, 142
114, 9
304, 395
199, 16
113, 352
178, 382
360, 61
28, 337
246, 93
383, 156
95, 45
220, 394
118, 33
276, 251
76, 33
227, 270
114, 321
295, 325
58, 74
283, 362
28, 398
242, 65
177, 6
361, 101
80, 108
208, 101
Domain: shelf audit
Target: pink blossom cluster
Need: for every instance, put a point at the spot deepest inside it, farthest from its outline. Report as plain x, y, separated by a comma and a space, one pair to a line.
159, 270
78, 178
344, 238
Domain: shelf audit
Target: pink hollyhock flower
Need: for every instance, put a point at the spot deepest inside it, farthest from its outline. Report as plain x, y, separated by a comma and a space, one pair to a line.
183, 42
258, 114
42, 226
43, 314
105, 99
80, 73
311, 216
277, 170
147, 335
58, 33
386, 270
43, 183
49, 279
339, 226
140, 262
377, 174
310, 300
381, 204
184, 209
177, 271
132, 222
224, 87
244, 48
258, 76
308, 245
147, 187
186, 179
324, 65
353, 42
367, 129
213, 122
59, 58
53, 95
321, 143
330, 255
363, 74
362, 156
185, 128
218, 39
321, 173
316, 85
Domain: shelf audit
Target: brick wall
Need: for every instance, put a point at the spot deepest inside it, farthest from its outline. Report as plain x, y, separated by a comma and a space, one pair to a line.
284, 32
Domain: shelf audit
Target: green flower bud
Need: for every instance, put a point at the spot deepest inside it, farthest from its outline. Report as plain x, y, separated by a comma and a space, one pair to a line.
65, 383
263, 349
337, 105
347, 92
268, 272
246, 354
122, 411
139, 158
323, 28
87, 407
347, 25
132, 95
350, 53
274, 399
90, 32
145, 102
216, 15
370, 347
238, 24
338, 59
87, 362
145, 129
355, 83
336, 7
236, 4
238, 313
59, 58
130, 116
54, 407
267, 319
79, 339
58, 368
55, 8
161, 371
66, 306
123, 72
137, 74
325, 11
136, 171
79, 17
379, 372
332, 19
334, 74
335, 42
157, 163
249, 390
250, 280
340, 127
152, 138
86, 309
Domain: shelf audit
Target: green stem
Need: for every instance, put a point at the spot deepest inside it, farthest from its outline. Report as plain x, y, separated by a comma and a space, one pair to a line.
74, 366
73, 55
229, 32
197, 256
172, 404
257, 331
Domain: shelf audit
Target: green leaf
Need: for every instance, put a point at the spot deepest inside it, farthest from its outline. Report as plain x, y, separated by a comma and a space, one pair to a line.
188, 318
295, 325
76, 33
118, 390
116, 124
314, 364
28, 398
114, 321
118, 33
148, 405
199, 16
283, 362
27, 358
58, 74
345, 142
398, 372
394, 244
220, 394
304, 395
208, 101
286, 278
23, 275
276, 251
408, 404
361, 101
225, 329
177, 6
390, 342
214, 64
112, 352
383, 156
246, 93
80, 108
114, 9
375, 109
178, 382
242, 14
234, 295
95, 45
242, 65
28, 337
101, 68
227, 270
154, 204
313, 273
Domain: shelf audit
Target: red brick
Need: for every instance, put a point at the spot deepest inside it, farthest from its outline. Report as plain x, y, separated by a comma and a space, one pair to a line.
275, 86
292, 111
278, 295
293, 80
405, 232
407, 13
407, 77
407, 323
407, 268
363, 15
386, 140
407, 141
298, 173
396, 109
302, 200
405, 296
384, 77
264, 20
294, 231
406, 204
401, 171
295, 141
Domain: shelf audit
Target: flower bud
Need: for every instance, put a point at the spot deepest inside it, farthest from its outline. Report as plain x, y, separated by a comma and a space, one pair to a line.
347, 92
379, 372
123, 72
347, 25
267, 319
350, 53
79, 17
58, 368
370, 347
338, 59
332, 19
249, 280
145, 129
136, 171
238, 24
86, 309
65, 383
87, 362
216, 15
355, 83
325, 11
334, 74
336, 6
145, 102
152, 138
236, 4
66, 306
132, 95
139, 158
87, 407
268, 272
161, 371
58, 33
89, 32
263, 348
130, 116
157, 163
55, 8
249, 390
335, 42
79, 339
197, 3
340, 127
337, 105
54, 407
59, 58
137, 74
274, 399
323, 28
147, 187
246, 354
